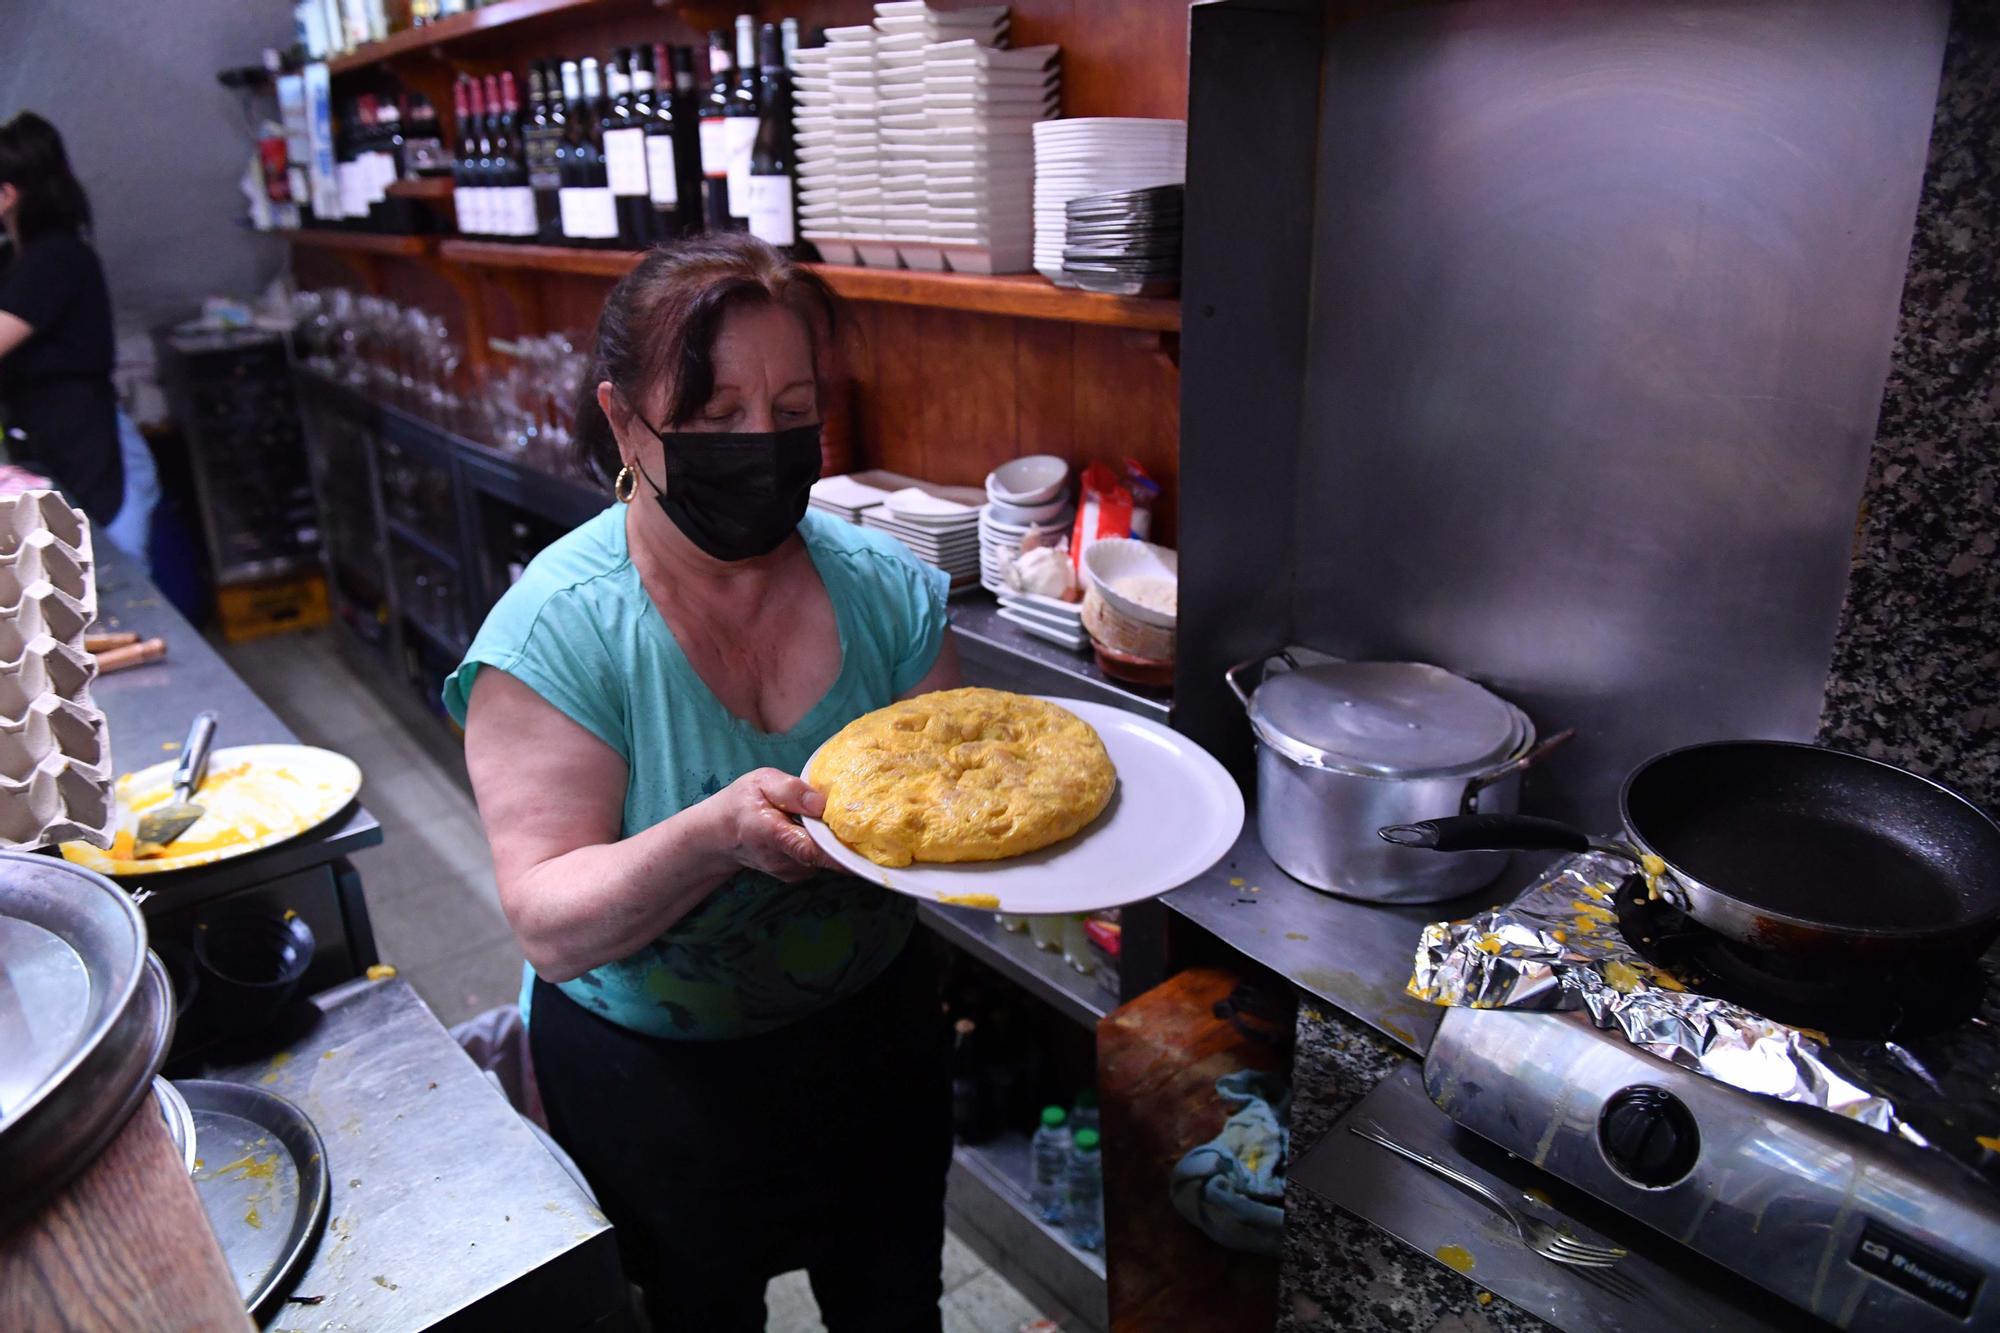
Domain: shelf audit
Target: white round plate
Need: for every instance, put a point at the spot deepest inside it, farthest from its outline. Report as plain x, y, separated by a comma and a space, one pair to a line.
254, 797
1174, 813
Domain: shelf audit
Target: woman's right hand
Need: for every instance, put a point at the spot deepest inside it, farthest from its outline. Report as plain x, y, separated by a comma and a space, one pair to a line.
753, 815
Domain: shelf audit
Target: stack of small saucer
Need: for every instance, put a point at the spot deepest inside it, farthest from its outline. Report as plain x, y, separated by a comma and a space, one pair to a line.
941, 532
1127, 243
1020, 496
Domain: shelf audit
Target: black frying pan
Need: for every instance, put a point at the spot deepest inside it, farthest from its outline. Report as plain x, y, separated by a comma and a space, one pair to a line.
1787, 847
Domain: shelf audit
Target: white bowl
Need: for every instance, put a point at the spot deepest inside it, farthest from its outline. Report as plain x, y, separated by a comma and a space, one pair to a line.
1022, 516
1022, 482
1116, 563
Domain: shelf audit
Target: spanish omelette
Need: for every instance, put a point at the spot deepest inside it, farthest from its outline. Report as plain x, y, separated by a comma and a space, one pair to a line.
961, 775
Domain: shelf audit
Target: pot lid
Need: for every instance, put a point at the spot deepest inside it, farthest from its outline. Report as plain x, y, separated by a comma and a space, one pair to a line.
1390, 719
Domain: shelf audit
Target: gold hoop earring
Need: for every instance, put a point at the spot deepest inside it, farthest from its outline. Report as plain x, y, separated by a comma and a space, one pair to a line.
626, 486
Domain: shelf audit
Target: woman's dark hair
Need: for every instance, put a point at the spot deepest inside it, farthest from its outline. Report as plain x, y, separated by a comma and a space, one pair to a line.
660, 324
32, 160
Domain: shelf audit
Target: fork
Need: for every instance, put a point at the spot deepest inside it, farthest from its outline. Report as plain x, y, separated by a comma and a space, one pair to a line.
1536, 1234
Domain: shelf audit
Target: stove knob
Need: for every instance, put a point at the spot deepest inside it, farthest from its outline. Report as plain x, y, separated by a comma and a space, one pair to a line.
1649, 1136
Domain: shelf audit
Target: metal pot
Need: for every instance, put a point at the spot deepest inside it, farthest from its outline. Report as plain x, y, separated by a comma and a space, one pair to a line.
1342, 745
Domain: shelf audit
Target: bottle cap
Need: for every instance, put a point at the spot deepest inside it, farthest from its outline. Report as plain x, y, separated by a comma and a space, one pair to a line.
1086, 1100
1053, 1117
1086, 1140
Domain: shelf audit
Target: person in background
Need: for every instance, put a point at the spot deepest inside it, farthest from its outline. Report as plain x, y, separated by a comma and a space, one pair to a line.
741, 1050
55, 325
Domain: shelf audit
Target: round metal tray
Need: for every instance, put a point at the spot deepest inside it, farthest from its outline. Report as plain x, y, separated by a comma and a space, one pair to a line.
180, 1120
70, 1127
262, 1181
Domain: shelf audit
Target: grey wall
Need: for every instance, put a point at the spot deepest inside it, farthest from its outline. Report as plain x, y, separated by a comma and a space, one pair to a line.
157, 142
1602, 304
1916, 669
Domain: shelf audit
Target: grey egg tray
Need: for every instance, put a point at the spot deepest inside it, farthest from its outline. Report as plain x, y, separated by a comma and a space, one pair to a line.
55, 755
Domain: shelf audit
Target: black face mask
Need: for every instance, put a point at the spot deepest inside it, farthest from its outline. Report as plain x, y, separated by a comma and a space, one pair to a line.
737, 494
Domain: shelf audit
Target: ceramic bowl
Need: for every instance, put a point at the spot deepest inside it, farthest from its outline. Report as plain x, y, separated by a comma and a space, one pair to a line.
1114, 565
1026, 482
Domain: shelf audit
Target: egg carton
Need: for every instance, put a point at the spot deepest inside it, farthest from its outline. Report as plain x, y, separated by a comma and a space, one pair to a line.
55, 752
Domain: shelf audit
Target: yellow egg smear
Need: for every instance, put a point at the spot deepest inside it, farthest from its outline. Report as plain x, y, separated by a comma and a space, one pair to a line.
990, 901
1490, 944
1455, 1257
1990, 1142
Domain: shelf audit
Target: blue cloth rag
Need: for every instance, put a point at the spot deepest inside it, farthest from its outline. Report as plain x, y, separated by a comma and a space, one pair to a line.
1233, 1186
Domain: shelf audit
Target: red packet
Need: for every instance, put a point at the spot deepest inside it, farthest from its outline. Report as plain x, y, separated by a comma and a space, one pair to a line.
1112, 505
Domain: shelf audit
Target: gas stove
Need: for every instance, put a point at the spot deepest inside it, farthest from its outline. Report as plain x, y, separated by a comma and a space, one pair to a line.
1859, 1227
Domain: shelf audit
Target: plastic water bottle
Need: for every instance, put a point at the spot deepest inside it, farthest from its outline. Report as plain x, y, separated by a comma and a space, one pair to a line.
1085, 1223
1084, 1114
1048, 1160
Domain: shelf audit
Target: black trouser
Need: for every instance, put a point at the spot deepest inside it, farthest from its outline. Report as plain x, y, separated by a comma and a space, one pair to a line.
721, 1164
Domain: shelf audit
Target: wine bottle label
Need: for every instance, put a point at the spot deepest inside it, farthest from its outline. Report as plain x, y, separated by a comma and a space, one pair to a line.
715, 146
524, 209
771, 209
742, 132
660, 170
590, 213
625, 161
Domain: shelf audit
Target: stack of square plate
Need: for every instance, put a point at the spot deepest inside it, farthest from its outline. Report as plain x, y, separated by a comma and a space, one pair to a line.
845, 498
1046, 618
941, 532
1127, 243
840, 183
1097, 155
819, 168
980, 104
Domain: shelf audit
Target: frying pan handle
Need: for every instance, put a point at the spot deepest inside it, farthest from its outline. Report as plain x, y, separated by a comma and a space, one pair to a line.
1469, 803
1483, 833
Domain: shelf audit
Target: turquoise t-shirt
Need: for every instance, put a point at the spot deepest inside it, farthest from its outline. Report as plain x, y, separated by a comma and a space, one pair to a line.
580, 630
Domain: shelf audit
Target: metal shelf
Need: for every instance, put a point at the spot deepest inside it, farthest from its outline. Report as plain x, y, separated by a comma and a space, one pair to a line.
1042, 973
986, 1197
1010, 657
409, 536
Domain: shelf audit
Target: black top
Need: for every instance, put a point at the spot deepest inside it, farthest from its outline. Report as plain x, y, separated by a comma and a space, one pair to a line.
62, 414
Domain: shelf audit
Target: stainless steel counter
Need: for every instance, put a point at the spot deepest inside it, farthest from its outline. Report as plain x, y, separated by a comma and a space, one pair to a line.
1355, 956
446, 1212
148, 709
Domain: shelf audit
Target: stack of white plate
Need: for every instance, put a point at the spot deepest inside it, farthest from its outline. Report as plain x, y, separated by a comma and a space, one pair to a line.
819, 156
1021, 495
1097, 155
840, 182
941, 532
845, 498
980, 105
1046, 618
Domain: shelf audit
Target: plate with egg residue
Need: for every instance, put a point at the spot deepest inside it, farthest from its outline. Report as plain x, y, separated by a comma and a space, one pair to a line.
253, 797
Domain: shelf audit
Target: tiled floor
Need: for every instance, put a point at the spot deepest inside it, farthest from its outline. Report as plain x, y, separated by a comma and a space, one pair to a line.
437, 915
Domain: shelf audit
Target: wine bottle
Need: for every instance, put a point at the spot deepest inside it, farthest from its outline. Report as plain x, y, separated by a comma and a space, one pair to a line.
742, 126
769, 185
492, 144
589, 215
625, 156
558, 145
667, 154
512, 164
538, 134
464, 193
715, 116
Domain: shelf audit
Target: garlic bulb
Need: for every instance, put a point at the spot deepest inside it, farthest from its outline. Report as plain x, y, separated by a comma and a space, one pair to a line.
1045, 572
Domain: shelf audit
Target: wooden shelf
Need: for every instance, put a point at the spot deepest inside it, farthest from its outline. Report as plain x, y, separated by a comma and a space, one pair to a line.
539, 258
422, 187
457, 28
1024, 296
363, 242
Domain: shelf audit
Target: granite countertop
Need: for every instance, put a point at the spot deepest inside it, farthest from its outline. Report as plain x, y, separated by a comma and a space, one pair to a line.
1340, 1274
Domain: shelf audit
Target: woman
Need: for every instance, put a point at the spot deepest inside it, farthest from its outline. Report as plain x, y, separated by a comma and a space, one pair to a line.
55, 325
741, 1050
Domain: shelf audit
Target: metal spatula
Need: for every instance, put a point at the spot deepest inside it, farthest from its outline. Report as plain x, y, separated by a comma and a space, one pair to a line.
162, 826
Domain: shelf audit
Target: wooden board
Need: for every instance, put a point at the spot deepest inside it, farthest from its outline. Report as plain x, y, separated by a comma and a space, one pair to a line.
1157, 1061
125, 1247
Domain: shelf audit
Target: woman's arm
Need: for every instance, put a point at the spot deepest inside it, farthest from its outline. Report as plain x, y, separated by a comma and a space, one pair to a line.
551, 796
13, 331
